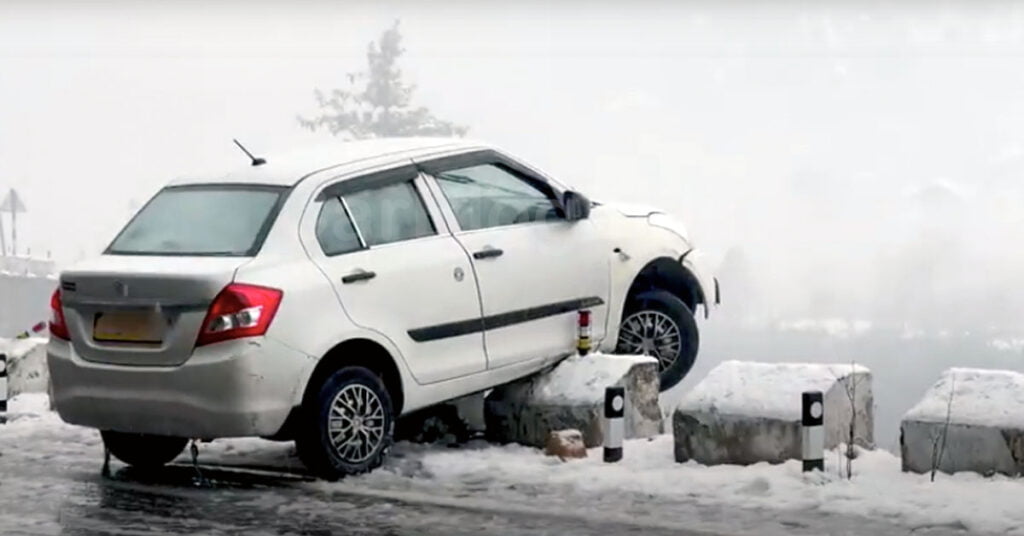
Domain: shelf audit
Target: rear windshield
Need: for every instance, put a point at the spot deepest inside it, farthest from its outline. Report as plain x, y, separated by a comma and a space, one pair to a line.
202, 220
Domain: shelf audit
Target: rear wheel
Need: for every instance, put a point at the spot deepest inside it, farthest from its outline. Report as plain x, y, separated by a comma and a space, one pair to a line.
659, 324
348, 428
142, 450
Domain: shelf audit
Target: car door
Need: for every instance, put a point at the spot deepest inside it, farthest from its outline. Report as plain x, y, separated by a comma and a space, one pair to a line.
535, 269
398, 271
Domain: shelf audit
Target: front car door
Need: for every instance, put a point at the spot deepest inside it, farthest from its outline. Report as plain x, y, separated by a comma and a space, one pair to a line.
396, 269
535, 269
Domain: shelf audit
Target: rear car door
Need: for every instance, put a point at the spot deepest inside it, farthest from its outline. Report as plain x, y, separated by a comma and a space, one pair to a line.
535, 268
397, 270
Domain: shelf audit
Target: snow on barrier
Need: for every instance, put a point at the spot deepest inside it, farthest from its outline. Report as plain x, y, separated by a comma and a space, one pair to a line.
970, 420
745, 412
27, 371
572, 396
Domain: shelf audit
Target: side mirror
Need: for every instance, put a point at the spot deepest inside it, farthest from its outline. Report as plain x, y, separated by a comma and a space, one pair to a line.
576, 206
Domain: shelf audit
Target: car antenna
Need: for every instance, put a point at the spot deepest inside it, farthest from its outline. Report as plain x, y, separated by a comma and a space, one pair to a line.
255, 161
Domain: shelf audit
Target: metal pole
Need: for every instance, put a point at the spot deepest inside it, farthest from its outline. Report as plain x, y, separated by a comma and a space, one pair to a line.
813, 421
614, 428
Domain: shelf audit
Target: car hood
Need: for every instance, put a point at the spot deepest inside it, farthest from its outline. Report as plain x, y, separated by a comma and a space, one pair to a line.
633, 211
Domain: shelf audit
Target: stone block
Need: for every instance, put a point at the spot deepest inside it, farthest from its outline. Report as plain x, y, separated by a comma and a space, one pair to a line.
985, 432
745, 412
565, 444
571, 396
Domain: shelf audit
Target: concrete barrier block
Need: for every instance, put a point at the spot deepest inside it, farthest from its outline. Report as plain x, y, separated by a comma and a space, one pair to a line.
745, 412
571, 396
985, 431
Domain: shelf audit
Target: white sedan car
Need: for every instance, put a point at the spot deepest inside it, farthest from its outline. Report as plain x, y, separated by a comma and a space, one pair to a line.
320, 296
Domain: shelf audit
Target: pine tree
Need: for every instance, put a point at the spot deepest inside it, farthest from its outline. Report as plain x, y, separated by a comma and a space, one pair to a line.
377, 103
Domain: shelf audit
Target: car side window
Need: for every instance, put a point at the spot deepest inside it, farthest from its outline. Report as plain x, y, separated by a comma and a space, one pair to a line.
334, 229
491, 195
390, 214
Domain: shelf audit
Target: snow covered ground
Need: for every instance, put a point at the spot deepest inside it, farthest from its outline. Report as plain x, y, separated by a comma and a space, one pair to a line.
648, 487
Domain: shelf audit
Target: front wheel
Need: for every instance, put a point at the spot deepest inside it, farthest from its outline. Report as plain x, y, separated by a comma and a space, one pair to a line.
659, 324
349, 427
142, 450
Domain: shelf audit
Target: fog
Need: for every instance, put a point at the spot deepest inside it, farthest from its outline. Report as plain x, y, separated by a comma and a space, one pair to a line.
834, 160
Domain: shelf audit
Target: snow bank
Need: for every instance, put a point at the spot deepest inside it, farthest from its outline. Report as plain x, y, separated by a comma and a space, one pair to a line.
655, 488
985, 410
571, 396
770, 390
28, 405
27, 371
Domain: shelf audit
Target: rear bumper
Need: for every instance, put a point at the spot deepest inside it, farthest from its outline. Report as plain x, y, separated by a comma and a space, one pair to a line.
232, 389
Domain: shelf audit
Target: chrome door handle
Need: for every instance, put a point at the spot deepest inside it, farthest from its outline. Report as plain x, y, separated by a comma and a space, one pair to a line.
361, 275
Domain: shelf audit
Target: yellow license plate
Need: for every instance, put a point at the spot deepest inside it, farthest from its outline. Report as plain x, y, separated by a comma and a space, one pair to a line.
134, 326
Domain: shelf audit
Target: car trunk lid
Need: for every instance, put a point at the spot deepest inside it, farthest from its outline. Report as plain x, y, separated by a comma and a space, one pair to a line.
141, 310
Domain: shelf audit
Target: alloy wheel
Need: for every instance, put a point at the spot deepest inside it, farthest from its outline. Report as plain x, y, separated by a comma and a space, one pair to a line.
356, 423
651, 333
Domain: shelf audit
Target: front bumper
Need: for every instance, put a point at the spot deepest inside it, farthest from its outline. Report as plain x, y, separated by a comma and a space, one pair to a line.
693, 261
231, 389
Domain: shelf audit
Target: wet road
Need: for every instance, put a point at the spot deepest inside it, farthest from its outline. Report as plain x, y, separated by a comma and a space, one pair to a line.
171, 501
50, 484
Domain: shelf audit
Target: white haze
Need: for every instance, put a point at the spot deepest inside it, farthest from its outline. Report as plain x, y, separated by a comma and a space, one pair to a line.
854, 160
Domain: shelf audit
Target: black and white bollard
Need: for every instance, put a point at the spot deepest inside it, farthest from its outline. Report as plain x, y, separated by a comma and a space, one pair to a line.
614, 427
3, 388
813, 421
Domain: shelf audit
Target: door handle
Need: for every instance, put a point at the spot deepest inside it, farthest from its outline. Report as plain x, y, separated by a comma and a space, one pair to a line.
361, 275
488, 253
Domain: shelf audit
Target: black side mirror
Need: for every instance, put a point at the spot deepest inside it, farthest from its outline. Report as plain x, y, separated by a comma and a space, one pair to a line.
576, 206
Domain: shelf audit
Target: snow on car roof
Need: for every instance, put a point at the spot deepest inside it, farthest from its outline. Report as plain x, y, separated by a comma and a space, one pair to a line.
288, 168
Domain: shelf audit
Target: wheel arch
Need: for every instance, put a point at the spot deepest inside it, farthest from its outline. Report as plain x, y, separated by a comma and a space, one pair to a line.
359, 352
668, 274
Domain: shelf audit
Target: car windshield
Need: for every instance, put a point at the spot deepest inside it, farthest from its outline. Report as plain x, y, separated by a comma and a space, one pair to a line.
201, 220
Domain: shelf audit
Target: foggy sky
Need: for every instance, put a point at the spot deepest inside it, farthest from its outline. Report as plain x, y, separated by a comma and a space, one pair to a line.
861, 159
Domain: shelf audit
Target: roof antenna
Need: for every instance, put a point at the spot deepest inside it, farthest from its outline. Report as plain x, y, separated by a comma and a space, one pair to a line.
255, 161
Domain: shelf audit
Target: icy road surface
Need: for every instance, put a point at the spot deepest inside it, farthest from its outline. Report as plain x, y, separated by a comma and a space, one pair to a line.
50, 483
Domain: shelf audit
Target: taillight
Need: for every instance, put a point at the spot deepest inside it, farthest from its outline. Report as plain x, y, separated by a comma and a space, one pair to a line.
239, 311
58, 327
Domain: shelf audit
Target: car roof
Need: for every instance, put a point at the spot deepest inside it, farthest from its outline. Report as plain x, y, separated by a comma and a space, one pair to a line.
288, 168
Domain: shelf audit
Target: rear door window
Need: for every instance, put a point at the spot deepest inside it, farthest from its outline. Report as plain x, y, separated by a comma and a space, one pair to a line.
202, 220
390, 214
334, 229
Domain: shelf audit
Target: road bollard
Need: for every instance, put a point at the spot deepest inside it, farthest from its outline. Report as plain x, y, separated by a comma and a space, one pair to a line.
3, 388
614, 428
583, 341
813, 421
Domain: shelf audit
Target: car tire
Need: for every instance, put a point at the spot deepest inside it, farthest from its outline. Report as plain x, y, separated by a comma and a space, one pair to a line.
351, 404
142, 450
658, 321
